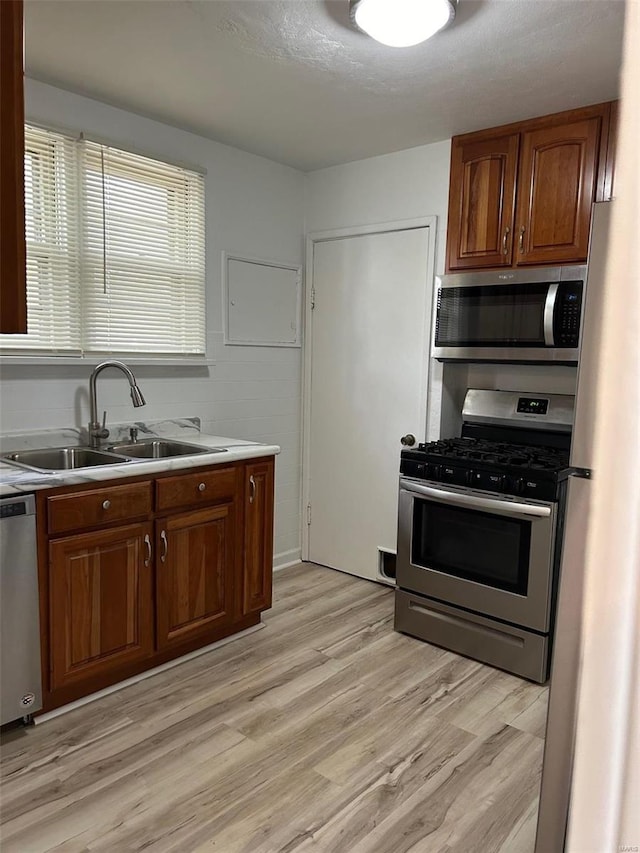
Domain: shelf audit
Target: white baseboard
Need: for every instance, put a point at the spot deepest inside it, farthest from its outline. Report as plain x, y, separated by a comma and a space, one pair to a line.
286, 559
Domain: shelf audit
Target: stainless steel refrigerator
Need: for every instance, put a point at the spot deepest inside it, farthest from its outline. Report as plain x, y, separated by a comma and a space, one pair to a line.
555, 793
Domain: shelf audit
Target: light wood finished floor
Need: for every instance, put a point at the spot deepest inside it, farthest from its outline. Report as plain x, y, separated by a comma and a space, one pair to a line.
325, 731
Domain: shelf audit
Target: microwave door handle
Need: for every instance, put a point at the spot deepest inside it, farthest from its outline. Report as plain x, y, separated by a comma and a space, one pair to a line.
477, 501
549, 311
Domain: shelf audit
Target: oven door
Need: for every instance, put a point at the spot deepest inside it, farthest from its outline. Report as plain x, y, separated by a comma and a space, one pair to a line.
486, 553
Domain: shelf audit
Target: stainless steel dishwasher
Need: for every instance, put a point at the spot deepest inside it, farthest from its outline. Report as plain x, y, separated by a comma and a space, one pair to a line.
20, 676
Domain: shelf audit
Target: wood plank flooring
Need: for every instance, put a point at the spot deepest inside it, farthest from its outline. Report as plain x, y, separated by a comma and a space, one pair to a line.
325, 731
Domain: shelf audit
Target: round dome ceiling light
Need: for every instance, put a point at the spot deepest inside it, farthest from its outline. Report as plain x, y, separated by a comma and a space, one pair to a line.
401, 23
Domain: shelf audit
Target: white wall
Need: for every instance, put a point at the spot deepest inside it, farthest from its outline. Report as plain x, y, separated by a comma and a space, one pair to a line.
404, 185
253, 206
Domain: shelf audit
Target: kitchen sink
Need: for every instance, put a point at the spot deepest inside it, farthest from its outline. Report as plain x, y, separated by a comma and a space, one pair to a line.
68, 458
160, 448
62, 458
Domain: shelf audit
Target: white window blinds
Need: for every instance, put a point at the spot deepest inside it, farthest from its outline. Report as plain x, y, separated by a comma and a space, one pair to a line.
51, 224
115, 252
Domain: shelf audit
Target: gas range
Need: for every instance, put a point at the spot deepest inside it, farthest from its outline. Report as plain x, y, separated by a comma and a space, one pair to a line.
497, 466
480, 520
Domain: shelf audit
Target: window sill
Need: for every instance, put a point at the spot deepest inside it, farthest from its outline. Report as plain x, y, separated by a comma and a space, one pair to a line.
92, 361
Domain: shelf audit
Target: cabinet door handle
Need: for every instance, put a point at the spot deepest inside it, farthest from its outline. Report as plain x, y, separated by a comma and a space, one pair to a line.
521, 239
147, 542
165, 546
507, 231
106, 504
252, 489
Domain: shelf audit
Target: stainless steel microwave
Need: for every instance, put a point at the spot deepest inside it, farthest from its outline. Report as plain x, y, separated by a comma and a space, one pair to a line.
510, 315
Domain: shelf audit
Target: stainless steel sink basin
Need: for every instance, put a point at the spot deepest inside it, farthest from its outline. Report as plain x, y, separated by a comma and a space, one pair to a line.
67, 458
63, 458
161, 448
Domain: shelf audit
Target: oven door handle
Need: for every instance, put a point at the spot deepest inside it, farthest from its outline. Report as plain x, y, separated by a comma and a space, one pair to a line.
476, 501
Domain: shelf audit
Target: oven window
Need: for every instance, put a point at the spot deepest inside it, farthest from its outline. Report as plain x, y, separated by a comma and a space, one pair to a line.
493, 315
490, 549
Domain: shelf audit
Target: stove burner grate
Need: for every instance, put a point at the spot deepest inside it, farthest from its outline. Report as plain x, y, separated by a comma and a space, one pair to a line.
497, 453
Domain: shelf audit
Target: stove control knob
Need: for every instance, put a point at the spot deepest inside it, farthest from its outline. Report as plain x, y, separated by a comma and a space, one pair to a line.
408, 440
515, 485
487, 481
433, 472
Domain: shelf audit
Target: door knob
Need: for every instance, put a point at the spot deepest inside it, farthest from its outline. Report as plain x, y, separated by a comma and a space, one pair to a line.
408, 440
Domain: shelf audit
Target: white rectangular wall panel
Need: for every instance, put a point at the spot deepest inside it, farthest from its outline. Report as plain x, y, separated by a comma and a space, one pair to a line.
262, 303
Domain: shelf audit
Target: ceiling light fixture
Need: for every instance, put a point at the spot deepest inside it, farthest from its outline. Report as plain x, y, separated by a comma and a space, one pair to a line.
401, 23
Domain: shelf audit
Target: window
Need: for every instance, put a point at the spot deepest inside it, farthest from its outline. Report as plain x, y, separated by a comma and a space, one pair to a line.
115, 252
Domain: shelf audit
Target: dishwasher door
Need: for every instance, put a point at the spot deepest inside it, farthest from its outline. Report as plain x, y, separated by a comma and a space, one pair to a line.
20, 674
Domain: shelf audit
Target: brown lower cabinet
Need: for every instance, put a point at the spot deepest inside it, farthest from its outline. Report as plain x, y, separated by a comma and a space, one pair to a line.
258, 536
194, 587
149, 570
100, 603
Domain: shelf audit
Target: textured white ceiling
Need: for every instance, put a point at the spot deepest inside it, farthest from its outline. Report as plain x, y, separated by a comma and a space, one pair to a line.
292, 81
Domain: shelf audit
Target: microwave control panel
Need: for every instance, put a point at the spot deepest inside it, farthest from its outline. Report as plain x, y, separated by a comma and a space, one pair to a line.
566, 326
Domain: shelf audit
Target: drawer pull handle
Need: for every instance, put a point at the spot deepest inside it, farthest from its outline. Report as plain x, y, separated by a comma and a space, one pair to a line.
147, 542
202, 487
165, 544
106, 504
252, 487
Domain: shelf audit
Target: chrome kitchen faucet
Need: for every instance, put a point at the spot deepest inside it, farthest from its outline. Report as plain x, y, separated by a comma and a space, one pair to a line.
98, 431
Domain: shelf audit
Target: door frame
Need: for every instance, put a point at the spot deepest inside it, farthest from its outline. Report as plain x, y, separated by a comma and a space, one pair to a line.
428, 222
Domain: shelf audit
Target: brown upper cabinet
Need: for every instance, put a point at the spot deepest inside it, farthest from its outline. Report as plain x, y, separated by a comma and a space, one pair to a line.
13, 285
482, 201
522, 194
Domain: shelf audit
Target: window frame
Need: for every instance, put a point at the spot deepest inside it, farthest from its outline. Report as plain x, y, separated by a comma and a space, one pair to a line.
82, 355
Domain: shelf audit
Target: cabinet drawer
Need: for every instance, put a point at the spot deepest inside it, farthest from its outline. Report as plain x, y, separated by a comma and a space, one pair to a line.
195, 489
98, 506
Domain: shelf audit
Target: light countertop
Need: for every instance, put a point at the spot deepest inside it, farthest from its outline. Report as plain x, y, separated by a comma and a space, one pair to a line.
15, 480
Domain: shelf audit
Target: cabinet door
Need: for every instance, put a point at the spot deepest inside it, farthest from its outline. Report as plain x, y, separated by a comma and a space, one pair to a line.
195, 557
13, 293
556, 187
258, 541
481, 202
606, 184
100, 602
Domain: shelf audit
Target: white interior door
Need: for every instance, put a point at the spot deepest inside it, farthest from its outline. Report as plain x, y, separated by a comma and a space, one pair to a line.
367, 383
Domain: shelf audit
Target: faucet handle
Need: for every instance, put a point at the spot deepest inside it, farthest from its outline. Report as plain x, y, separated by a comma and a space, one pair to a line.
97, 432
133, 434
104, 432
